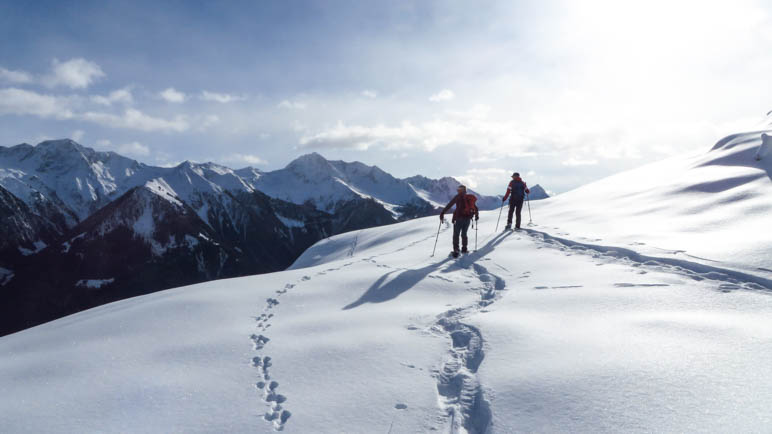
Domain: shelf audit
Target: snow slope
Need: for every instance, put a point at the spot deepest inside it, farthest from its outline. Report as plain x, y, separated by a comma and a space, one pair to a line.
373, 335
710, 207
535, 331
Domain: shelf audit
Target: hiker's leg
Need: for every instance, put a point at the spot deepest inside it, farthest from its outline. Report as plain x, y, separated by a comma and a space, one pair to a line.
519, 206
464, 223
511, 210
456, 231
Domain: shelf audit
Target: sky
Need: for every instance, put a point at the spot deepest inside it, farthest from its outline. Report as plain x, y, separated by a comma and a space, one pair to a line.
564, 92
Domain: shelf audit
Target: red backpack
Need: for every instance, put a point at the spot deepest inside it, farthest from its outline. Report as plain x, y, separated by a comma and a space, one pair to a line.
470, 205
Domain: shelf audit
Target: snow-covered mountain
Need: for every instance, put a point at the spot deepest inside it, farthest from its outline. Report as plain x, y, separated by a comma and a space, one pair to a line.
583, 322
65, 178
22, 232
538, 193
326, 184
439, 192
88, 216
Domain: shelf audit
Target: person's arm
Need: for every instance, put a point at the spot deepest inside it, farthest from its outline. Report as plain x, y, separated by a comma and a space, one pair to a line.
527, 191
509, 190
447, 207
476, 212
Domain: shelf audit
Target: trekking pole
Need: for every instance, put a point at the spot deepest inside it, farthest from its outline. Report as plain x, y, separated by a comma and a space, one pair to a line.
476, 226
499, 219
528, 200
437, 238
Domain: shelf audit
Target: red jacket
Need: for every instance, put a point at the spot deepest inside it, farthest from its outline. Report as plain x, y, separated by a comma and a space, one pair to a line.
458, 200
515, 184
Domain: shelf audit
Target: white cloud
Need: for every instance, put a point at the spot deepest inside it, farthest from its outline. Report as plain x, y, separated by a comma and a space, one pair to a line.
249, 159
77, 135
293, 105
477, 176
491, 138
15, 77
369, 94
360, 137
443, 95
208, 121
134, 149
122, 96
574, 162
223, 98
76, 73
15, 101
135, 119
172, 95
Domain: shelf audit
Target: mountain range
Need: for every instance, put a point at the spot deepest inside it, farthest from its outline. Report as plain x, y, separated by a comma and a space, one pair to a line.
82, 227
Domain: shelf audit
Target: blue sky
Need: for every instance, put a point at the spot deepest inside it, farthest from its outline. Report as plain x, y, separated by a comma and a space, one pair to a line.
565, 92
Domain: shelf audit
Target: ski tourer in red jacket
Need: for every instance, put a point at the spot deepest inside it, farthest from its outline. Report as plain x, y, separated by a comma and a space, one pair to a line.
466, 208
516, 192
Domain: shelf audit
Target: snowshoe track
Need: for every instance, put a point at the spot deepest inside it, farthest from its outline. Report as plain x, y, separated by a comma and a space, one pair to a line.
693, 270
460, 394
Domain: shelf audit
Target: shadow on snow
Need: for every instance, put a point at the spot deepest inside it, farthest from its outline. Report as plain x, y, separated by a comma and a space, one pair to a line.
384, 289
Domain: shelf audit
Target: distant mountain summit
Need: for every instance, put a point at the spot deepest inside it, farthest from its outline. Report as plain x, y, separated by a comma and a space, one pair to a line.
538, 193
440, 191
129, 228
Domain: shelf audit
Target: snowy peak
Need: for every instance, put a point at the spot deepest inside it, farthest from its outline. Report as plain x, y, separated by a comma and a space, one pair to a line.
249, 175
313, 166
67, 175
439, 192
328, 184
537, 193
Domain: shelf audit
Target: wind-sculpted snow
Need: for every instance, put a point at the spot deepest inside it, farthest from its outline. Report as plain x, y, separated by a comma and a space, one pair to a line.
713, 206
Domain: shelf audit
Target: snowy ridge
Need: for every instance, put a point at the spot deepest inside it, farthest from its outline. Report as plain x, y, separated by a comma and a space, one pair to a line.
671, 208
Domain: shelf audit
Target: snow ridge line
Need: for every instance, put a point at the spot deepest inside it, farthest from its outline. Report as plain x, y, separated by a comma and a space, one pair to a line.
461, 395
693, 270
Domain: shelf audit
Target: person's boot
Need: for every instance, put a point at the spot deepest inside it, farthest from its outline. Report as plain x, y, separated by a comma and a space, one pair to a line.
508, 227
464, 250
454, 253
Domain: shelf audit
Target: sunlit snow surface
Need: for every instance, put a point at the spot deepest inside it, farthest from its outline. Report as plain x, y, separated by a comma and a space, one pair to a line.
574, 325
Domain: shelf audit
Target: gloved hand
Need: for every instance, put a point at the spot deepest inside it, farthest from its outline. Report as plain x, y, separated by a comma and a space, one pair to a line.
442, 218
503, 200
477, 217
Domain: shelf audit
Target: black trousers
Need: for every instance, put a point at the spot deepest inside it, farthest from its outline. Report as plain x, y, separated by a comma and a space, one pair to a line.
515, 206
460, 227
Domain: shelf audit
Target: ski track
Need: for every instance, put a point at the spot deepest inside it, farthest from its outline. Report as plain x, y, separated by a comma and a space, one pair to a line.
728, 279
460, 395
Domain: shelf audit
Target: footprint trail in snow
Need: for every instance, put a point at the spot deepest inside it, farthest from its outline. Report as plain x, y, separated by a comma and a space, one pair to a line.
277, 414
460, 394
